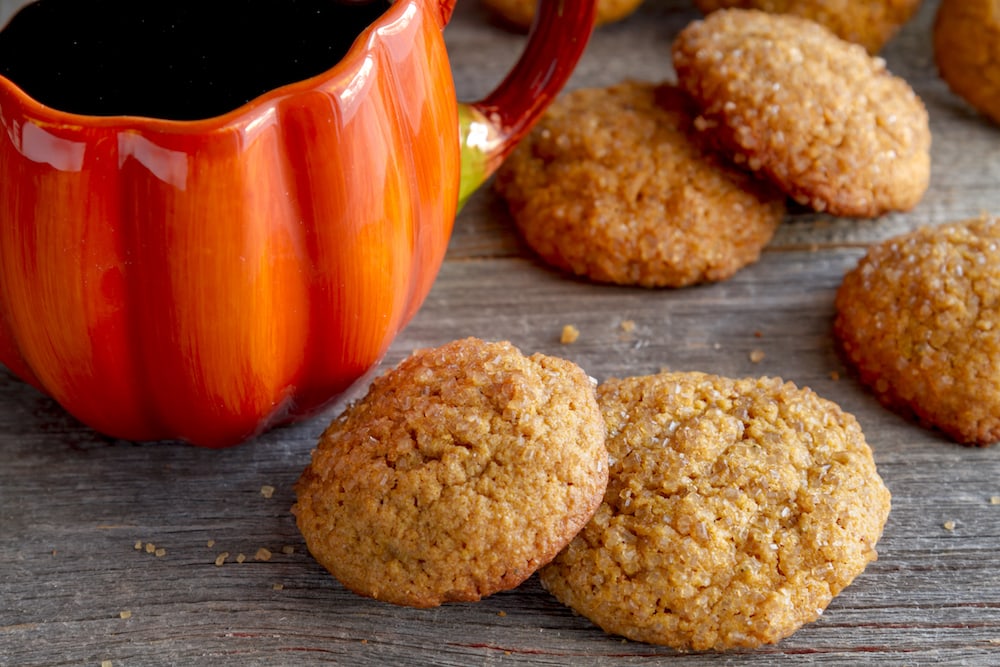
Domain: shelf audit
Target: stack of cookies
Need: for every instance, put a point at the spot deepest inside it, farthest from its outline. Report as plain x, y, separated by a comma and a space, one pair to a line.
682, 509
667, 186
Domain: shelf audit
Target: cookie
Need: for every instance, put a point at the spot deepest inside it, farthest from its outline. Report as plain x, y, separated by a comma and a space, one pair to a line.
519, 14
967, 51
614, 184
735, 511
919, 320
819, 116
871, 23
462, 471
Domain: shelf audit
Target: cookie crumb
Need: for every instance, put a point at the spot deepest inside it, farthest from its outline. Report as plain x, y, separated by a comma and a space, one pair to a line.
502, 614
757, 356
262, 554
994, 500
221, 558
569, 334
277, 587
628, 326
288, 549
160, 553
240, 558
125, 614
210, 544
150, 548
835, 376
105, 663
138, 545
267, 490
949, 525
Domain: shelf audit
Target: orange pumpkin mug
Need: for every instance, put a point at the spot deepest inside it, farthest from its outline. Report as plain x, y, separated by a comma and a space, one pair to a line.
204, 246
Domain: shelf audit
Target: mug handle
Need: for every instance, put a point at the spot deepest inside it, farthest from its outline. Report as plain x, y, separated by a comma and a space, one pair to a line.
490, 128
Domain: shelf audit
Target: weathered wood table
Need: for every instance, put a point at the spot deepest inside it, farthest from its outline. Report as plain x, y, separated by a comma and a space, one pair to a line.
74, 590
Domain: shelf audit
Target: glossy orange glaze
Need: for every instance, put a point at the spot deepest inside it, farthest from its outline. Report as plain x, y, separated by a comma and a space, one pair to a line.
205, 280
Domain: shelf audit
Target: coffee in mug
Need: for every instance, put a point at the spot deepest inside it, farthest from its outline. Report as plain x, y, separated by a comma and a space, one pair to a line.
174, 59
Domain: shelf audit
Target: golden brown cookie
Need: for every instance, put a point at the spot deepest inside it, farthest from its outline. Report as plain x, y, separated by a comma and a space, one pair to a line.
735, 511
462, 471
819, 116
919, 319
967, 51
870, 23
613, 184
519, 14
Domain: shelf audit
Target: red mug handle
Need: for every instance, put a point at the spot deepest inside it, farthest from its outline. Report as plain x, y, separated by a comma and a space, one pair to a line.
490, 128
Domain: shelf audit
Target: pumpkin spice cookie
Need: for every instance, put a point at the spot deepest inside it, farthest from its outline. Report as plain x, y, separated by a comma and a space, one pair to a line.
462, 471
735, 511
519, 14
871, 23
967, 51
614, 184
819, 116
919, 319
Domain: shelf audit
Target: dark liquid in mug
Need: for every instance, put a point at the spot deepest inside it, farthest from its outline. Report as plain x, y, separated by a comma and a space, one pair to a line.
175, 59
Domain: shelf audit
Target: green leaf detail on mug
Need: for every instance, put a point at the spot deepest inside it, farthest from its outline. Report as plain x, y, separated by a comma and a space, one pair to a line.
479, 142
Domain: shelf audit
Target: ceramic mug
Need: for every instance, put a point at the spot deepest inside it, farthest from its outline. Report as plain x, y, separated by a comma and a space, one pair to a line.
206, 276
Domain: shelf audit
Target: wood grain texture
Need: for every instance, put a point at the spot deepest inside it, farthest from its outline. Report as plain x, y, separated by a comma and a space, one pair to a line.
73, 504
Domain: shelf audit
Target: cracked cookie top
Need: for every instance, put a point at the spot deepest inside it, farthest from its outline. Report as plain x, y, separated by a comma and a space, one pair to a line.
735, 511
459, 474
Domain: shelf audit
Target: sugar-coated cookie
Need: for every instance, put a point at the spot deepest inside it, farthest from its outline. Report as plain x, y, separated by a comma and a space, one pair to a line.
735, 511
919, 319
519, 14
870, 23
967, 51
615, 185
462, 471
819, 116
